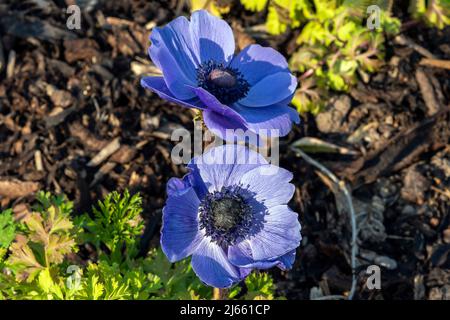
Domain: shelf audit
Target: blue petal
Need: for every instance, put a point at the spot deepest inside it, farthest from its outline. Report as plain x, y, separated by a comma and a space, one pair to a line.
256, 62
173, 52
272, 121
270, 90
180, 234
195, 180
241, 255
222, 120
212, 37
158, 85
269, 185
225, 127
211, 265
213, 104
279, 235
225, 165
244, 272
287, 261
176, 186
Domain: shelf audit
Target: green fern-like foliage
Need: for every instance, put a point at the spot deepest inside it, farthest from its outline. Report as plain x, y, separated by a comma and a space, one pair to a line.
7, 228
435, 13
41, 258
7, 232
335, 47
115, 225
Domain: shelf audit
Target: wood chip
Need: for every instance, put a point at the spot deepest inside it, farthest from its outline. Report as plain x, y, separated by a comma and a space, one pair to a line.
405, 41
102, 172
436, 63
15, 188
81, 49
124, 155
60, 98
427, 91
86, 137
11, 64
38, 160
55, 119
104, 154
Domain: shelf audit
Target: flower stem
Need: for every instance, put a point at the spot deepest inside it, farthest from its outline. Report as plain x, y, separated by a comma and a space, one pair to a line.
219, 294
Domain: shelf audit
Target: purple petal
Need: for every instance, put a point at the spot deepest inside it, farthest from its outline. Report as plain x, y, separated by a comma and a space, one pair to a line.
287, 261
241, 255
211, 265
222, 120
212, 37
173, 52
270, 90
222, 126
195, 180
280, 234
176, 186
225, 165
256, 62
213, 104
244, 272
269, 184
180, 234
273, 121
158, 85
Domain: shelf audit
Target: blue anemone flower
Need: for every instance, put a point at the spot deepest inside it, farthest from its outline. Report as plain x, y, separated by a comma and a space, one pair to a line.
230, 214
248, 91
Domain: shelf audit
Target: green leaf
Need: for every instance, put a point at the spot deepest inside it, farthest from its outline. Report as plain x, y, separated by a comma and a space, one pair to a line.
23, 261
116, 223
254, 5
93, 289
274, 22
48, 286
46, 239
315, 145
260, 286
7, 229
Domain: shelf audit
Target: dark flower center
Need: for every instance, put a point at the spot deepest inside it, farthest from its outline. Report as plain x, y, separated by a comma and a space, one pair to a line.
225, 216
225, 83
226, 213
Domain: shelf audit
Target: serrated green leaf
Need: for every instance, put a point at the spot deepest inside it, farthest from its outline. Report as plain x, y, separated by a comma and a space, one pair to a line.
254, 5
7, 228
94, 290
116, 223
260, 286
